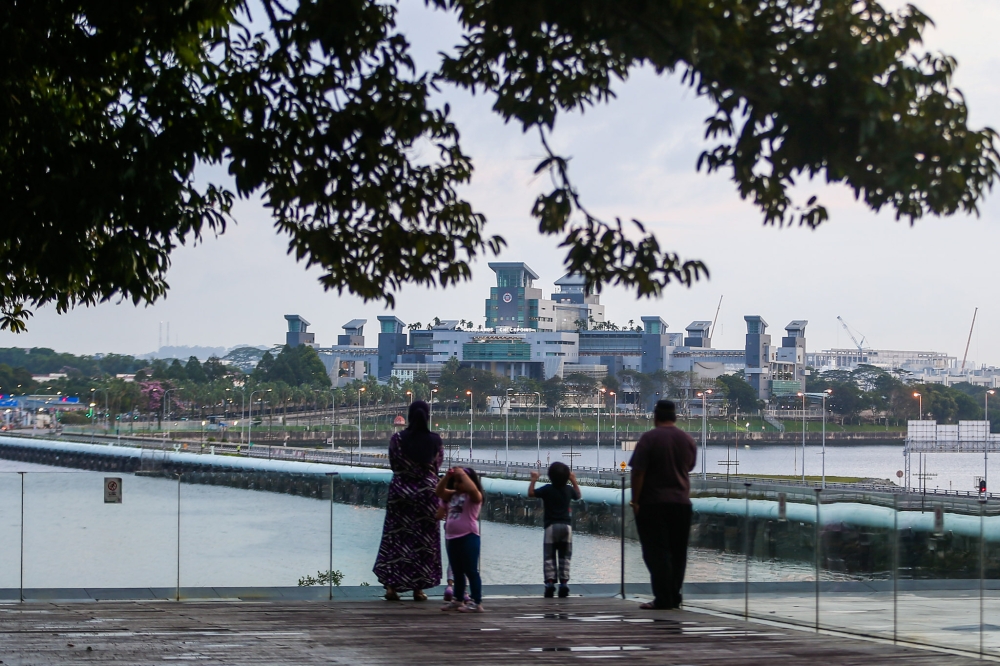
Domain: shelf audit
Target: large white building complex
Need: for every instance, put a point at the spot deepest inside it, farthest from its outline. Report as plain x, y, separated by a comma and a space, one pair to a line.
527, 335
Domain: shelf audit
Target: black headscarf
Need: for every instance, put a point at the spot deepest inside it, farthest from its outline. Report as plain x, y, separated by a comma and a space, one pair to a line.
417, 441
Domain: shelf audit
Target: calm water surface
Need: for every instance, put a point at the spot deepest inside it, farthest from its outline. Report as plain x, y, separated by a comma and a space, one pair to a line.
234, 537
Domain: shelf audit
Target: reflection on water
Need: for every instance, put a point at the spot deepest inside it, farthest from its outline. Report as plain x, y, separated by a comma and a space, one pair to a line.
233, 537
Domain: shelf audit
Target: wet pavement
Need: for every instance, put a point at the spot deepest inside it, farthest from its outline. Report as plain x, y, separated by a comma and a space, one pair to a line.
512, 631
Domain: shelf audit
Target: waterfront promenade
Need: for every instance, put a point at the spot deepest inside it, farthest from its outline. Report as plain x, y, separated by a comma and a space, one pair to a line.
513, 631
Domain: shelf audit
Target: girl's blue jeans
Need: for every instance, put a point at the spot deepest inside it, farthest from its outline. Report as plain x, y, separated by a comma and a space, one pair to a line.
463, 554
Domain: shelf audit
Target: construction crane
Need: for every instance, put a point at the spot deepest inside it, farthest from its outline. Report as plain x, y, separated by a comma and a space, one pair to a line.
969, 341
711, 333
859, 345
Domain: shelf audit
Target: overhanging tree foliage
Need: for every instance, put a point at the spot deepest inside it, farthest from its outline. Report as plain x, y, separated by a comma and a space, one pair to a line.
106, 110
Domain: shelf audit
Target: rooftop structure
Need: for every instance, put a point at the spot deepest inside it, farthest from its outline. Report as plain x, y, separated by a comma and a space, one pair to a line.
354, 333
297, 332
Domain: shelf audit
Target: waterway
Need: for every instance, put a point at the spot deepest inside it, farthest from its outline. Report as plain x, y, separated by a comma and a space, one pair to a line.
948, 471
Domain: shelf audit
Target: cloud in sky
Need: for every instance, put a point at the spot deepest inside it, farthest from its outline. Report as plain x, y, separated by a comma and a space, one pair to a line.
911, 288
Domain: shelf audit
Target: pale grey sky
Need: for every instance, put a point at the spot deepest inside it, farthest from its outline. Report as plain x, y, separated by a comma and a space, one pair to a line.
904, 288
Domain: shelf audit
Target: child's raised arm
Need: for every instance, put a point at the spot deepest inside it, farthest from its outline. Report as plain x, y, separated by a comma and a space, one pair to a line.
442, 490
531, 486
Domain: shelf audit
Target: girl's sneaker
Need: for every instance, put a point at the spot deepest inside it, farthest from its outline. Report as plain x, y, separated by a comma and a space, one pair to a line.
449, 593
452, 605
466, 598
470, 607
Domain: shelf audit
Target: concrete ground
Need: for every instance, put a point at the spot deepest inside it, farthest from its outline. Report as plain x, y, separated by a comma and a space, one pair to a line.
514, 630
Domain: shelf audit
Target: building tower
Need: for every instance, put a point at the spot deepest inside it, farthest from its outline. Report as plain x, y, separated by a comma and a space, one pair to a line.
758, 353
391, 344
515, 302
297, 334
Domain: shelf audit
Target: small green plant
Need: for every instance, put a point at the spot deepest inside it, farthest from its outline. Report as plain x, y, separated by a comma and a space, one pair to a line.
322, 578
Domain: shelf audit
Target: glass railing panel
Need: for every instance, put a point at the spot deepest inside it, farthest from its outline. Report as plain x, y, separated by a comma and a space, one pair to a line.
74, 539
855, 562
10, 532
780, 552
990, 600
937, 602
244, 529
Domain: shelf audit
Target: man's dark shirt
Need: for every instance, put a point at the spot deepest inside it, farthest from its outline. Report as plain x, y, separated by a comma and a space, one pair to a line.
556, 501
665, 454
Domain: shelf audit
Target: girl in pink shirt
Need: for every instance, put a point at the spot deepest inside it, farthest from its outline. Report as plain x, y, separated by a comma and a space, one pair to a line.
461, 489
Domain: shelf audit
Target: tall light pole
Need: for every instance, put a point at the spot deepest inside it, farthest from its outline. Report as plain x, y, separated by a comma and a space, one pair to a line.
826, 394
333, 419
986, 444
472, 413
538, 431
704, 425
506, 460
243, 409
600, 398
164, 409
409, 397
803, 396
615, 446
920, 405
360, 391
250, 417
431, 416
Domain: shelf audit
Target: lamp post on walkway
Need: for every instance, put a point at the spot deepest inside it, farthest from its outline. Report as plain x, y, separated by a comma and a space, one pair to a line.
166, 413
704, 425
538, 431
826, 394
360, 391
803, 396
600, 399
472, 414
250, 418
615, 427
986, 444
920, 405
506, 460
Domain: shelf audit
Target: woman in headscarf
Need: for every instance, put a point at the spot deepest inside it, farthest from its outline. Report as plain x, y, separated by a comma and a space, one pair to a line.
409, 557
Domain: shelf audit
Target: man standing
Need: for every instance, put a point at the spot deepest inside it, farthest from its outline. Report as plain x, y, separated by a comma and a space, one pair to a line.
661, 501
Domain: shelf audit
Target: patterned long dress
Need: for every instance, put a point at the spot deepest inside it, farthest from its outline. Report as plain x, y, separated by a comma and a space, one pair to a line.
409, 557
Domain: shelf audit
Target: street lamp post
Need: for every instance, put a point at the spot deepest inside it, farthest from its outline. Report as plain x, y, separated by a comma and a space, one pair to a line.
431, 415
506, 460
250, 418
538, 431
163, 407
409, 397
600, 393
920, 406
704, 425
615, 427
986, 444
360, 391
826, 394
803, 396
472, 413
243, 408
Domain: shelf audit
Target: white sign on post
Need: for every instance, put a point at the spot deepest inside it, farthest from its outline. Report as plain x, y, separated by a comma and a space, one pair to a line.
112, 490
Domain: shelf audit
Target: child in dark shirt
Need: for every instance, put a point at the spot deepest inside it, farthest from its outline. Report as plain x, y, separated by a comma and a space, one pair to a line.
558, 548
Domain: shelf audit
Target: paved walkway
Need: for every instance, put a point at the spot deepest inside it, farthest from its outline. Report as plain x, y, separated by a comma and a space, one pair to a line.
513, 631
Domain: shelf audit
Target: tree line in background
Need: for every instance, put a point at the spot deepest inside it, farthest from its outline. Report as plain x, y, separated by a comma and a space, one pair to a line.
295, 379
871, 394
